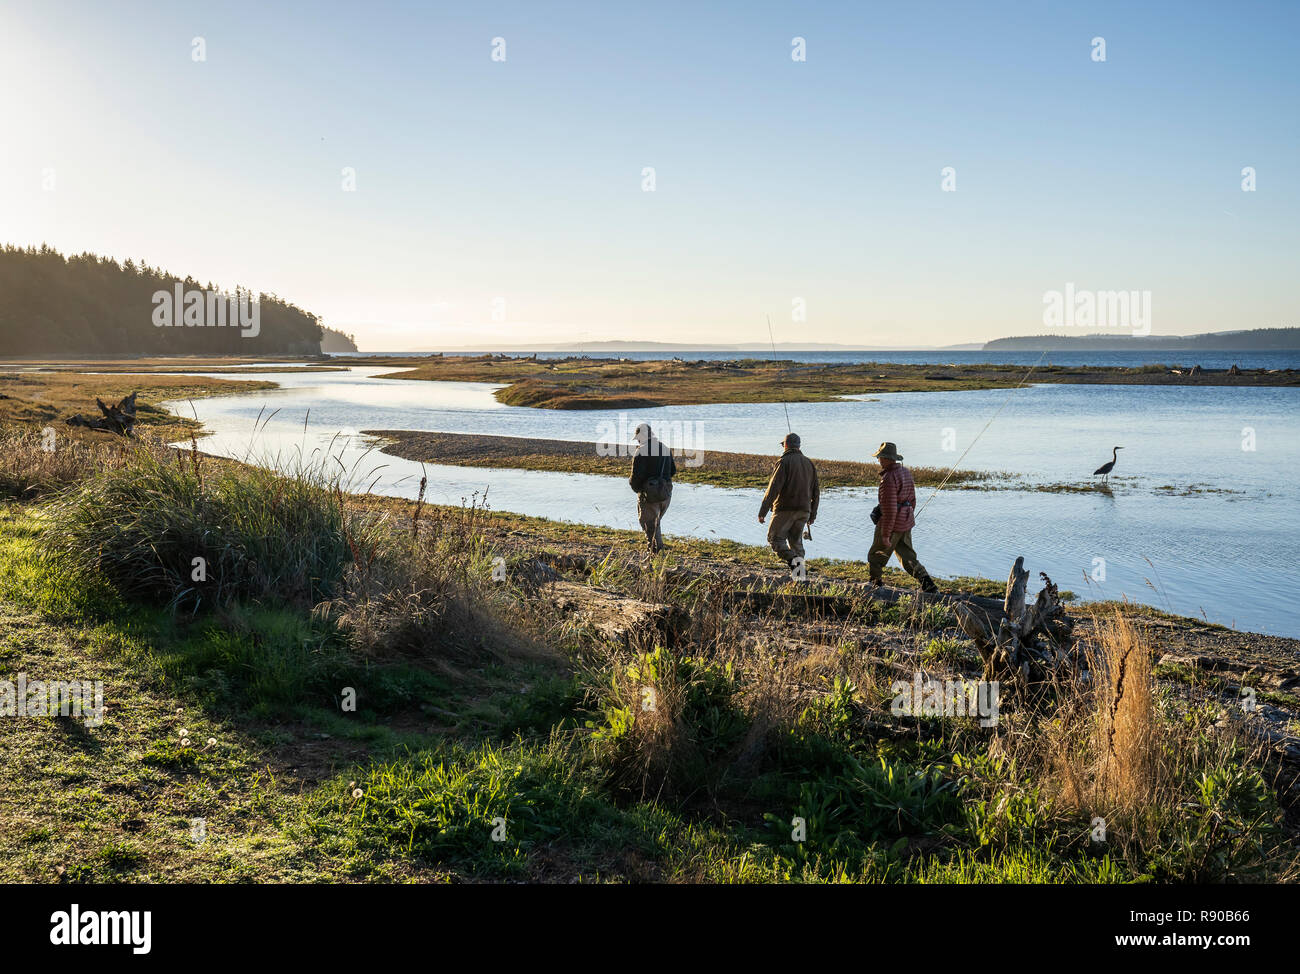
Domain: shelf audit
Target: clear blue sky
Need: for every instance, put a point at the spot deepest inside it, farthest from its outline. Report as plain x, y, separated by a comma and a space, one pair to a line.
479, 179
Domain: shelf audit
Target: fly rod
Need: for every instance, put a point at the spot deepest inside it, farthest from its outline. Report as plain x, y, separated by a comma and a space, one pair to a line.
807, 531
953, 468
779, 381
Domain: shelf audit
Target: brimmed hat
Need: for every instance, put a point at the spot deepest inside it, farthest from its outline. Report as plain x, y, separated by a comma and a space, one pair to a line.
792, 440
888, 451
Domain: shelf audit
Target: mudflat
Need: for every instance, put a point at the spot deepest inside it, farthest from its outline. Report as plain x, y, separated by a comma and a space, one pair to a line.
570, 456
582, 383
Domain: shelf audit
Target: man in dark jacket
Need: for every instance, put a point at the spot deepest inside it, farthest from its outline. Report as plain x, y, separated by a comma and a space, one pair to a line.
653, 469
792, 496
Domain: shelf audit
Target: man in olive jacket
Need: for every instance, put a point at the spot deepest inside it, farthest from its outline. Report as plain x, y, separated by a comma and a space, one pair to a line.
792, 496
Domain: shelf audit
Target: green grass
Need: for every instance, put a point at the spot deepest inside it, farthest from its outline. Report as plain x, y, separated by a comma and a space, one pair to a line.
950, 653
483, 810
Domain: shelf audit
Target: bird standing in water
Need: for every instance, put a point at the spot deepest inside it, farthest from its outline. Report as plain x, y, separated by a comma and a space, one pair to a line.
1106, 468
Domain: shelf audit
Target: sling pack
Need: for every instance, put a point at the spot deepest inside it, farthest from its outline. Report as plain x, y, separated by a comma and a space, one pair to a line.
658, 489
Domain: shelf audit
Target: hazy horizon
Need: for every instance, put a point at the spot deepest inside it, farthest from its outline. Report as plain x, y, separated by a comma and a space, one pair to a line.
616, 344
501, 189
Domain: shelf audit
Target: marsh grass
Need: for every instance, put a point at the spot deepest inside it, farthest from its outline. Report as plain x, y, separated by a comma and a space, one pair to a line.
35, 399
174, 528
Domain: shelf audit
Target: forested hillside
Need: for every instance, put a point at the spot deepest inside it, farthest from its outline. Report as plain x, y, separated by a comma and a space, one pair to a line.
51, 305
1253, 340
333, 341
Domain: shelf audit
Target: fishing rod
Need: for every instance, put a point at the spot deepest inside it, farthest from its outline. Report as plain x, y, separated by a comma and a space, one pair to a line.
807, 531
779, 381
953, 468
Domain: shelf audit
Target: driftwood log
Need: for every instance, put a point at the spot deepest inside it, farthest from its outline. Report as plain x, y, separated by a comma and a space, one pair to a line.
118, 418
790, 603
616, 620
753, 591
1025, 647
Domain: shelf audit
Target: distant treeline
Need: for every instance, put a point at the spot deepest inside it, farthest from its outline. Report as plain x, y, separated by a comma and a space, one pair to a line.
333, 341
1255, 340
51, 305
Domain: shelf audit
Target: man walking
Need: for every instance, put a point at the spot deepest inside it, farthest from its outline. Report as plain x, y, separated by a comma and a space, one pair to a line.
653, 469
792, 496
897, 517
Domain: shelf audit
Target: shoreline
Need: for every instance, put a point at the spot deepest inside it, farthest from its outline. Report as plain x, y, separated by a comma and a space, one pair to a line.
737, 562
717, 468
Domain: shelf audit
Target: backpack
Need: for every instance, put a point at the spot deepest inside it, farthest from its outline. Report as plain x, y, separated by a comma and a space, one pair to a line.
658, 489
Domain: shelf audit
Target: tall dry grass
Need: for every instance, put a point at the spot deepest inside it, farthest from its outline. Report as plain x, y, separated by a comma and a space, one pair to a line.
1134, 763
1110, 747
34, 464
1172, 777
424, 587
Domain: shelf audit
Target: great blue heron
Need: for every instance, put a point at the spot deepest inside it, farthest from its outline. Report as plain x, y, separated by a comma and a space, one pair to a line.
1106, 468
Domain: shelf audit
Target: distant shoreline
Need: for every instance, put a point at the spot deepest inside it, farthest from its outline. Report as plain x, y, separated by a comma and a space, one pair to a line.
1242, 342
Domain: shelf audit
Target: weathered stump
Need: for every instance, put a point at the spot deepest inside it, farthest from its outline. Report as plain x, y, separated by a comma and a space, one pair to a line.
118, 418
1026, 646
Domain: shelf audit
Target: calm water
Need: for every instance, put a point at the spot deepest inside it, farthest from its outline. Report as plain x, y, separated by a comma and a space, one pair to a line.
1212, 359
1221, 543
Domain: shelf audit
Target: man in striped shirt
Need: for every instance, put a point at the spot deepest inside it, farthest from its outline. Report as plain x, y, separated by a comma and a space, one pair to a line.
897, 518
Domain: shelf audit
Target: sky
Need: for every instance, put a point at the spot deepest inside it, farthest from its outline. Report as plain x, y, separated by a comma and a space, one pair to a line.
505, 200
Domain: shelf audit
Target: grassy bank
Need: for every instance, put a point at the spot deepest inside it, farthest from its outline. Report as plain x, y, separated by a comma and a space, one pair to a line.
705, 467
38, 399
404, 716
